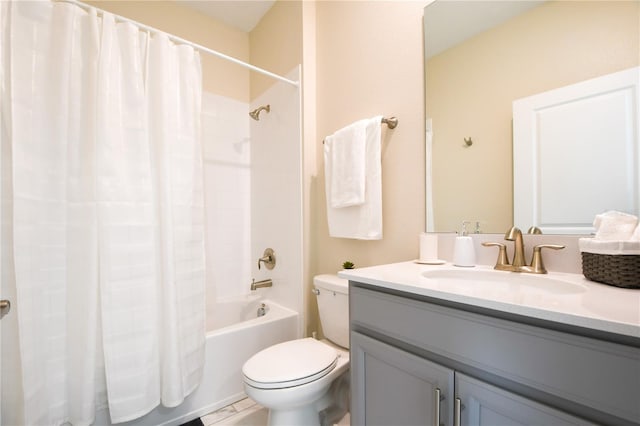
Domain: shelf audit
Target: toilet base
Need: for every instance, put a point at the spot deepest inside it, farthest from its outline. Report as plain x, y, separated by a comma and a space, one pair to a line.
306, 406
298, 416
328, 409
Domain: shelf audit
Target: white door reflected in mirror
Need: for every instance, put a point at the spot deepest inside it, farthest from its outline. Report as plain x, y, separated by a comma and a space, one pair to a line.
593, 123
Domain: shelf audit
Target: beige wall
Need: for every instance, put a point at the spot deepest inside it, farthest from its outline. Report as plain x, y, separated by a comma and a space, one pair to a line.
275, 44
219, 76
370, 62
360, 58
470, 89
309, 165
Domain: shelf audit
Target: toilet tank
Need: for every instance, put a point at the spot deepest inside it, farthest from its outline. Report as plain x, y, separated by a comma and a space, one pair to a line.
333, 305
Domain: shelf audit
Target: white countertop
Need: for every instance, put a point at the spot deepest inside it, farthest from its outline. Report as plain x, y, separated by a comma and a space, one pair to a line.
593, 305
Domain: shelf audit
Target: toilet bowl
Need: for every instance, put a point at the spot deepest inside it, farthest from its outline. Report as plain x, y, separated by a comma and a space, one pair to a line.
301, 380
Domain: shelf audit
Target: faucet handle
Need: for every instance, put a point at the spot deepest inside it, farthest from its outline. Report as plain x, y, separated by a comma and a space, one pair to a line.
537, 267
503, 261
268, 258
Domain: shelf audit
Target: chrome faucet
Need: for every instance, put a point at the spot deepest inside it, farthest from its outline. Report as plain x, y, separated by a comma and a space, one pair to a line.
261, 284
518, 264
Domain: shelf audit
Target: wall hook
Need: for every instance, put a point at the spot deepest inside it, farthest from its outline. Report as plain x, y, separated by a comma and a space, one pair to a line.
468, 142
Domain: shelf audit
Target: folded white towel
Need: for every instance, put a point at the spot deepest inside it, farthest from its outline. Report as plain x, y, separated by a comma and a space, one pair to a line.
615, 226
591, 245
636, 234
347, 148
363, 221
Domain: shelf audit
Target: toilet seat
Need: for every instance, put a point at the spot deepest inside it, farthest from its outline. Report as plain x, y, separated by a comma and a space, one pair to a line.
289, 364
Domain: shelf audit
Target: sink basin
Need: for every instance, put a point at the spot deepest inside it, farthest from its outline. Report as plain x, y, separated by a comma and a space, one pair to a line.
501, 278
508, 286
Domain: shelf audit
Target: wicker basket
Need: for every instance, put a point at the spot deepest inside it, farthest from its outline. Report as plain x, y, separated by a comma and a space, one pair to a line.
620, 270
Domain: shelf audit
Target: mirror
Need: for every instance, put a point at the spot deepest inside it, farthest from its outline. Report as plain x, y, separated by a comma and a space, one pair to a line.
480, 56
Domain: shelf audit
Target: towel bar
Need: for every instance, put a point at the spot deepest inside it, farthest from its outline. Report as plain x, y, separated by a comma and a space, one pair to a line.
391, 122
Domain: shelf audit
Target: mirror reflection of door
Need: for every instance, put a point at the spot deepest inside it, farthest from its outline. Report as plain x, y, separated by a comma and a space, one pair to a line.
470, 87
592, 125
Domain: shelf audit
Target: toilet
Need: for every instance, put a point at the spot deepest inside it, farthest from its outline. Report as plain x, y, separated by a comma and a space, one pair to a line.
304, 380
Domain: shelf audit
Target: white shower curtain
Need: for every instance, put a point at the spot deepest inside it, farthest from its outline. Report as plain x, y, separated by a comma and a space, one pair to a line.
102, 124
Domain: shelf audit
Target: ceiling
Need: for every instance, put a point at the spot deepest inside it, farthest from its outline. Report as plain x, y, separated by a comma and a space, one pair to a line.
462, 19
241, 14
448, 23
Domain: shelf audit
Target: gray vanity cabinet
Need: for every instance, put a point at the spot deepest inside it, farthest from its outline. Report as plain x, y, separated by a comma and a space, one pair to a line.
412, 357
479, 403
413, 389
394, 387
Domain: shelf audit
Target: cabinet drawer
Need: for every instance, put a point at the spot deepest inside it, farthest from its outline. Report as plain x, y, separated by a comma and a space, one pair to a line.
602, 375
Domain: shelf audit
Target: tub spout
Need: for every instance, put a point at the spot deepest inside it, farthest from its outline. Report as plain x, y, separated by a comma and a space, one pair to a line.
261, 284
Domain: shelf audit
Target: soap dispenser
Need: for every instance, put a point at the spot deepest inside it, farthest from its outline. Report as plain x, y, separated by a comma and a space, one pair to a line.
463, 252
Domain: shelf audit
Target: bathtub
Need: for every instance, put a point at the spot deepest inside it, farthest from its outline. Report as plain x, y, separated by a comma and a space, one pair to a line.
235, 334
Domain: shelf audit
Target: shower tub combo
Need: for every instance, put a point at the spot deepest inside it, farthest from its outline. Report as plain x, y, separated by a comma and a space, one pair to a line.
235, 333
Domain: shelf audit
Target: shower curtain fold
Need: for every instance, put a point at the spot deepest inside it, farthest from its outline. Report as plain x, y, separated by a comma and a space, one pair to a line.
126, 226
107, 215
176, 164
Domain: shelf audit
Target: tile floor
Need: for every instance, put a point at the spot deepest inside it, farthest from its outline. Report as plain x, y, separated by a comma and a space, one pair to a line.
245, 412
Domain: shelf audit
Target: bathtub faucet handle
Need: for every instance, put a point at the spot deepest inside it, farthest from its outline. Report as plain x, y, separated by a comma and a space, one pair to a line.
268, 258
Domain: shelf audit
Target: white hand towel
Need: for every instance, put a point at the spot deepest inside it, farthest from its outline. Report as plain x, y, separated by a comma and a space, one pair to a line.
363, 222
636, 234
347, 148
614, 225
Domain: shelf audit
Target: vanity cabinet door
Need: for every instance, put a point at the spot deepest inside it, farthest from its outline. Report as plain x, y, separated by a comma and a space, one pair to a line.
480, 404
393, 387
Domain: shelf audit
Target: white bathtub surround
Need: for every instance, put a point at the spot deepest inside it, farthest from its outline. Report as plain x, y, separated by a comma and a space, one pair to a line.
276, 194
253, 194
263, 205
227, 183
107, 237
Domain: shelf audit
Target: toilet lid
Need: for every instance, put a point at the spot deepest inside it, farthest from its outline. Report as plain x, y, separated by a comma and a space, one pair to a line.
290, 364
